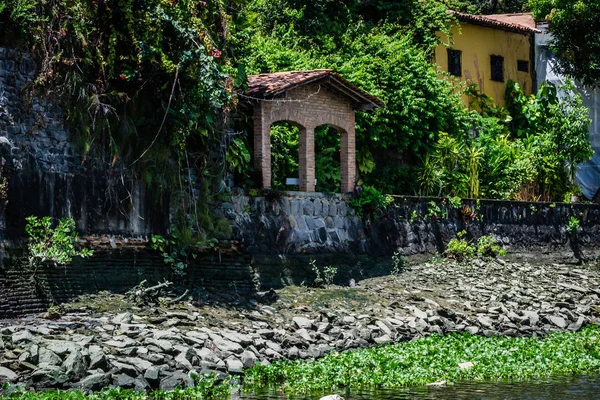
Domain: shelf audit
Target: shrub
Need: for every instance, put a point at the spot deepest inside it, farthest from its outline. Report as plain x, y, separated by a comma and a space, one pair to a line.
370, 202
488, 247
54, 243
573, 225
461, 249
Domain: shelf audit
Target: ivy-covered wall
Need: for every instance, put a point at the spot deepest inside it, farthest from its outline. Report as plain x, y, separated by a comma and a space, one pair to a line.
42, 173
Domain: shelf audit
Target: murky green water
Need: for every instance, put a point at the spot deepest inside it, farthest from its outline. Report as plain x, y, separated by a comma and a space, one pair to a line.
555, 389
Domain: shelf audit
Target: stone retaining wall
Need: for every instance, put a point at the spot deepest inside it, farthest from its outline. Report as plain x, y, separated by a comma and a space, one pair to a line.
315, 223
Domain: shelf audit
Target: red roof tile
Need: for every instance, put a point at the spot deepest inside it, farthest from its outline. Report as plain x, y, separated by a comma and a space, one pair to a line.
520, 23
268, 85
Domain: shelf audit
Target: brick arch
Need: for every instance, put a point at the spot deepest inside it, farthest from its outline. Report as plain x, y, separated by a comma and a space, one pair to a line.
307, 107
347, 153
308, 99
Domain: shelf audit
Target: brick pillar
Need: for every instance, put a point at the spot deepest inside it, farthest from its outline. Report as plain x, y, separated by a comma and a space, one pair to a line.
306, 162
262, 147
348, 160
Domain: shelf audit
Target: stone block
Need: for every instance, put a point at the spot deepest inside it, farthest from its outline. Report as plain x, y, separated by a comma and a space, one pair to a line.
308, 207
310, 223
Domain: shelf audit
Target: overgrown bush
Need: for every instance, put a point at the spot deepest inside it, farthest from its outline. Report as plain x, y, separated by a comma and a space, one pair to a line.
144, 85
52, 242
462, 249
370, 202
527, 151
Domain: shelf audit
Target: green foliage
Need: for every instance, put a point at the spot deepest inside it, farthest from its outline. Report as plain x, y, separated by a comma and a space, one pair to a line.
238, 156
488, 7
383, 47
370, 202
327, 159
326, 277
329, 273
527, 151
52, 242
284, 161
574, 225
494, 358
144, 86
455, 202
554, 133
461, 249
434, 211
180, 249
575, 29
207, 387
488, 247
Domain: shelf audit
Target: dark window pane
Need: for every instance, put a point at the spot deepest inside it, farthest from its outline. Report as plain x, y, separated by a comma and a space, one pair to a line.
523, 65
497, 67
454, 62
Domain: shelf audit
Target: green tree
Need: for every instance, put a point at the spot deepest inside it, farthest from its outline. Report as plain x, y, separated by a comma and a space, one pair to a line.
575, 26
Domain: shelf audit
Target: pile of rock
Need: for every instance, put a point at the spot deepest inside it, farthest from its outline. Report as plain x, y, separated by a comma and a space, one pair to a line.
159, 349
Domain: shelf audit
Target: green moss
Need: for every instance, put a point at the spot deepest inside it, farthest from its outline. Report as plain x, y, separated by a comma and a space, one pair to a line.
222, 227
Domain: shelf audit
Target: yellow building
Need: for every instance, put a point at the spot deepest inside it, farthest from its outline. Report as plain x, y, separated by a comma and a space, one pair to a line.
490, 50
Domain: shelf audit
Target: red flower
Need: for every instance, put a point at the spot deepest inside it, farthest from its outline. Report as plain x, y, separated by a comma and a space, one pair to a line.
122, 77
216, 53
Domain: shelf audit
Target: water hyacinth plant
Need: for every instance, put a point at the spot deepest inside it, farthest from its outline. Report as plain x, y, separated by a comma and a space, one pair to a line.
434, 359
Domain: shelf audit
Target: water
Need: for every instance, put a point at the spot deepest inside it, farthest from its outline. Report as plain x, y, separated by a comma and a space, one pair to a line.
556, 389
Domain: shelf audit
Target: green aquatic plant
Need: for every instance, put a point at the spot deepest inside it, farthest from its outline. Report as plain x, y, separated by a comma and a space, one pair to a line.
434, 359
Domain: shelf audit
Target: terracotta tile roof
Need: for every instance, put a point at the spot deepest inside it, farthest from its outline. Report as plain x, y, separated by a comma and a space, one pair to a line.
269, 85
519, 23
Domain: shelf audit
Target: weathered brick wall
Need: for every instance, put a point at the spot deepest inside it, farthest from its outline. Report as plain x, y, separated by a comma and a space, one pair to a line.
115, 271
308, 107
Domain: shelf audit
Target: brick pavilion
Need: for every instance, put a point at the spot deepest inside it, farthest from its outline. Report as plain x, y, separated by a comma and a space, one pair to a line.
307, 99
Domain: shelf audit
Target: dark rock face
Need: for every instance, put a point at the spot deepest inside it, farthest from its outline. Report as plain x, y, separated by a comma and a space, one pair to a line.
46, 175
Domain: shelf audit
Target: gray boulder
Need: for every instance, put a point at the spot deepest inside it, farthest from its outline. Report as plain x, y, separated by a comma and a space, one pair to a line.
227, 345
22, 336
302, 322
176, 379
6, 375
128, 382
75, 365
48, 357
151, 375
234, 366
93, 382
49, 376
249, 359
97, 358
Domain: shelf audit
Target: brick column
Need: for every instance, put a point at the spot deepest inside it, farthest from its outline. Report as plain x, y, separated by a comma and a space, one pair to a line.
262, 147
306, 162
348, 160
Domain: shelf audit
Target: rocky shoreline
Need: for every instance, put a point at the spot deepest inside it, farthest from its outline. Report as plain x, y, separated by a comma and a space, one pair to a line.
102, 340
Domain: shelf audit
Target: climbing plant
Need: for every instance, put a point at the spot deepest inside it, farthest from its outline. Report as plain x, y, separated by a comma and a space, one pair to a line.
146, 87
